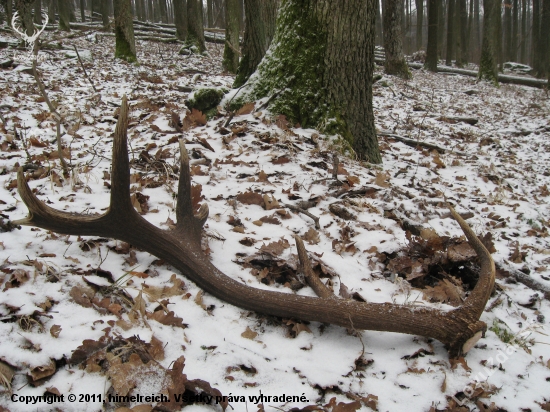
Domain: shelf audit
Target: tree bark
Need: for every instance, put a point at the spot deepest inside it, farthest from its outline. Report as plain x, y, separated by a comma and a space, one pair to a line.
431, 52
450, 33
441, 31
52, 6
523, 44
260, 23
24, 8
210, 13
180, 19
64, 14
515, 31
379, 34
232, 29
488, 63
461, 33
419, 23
545, 39
105, 14
151, 11
163, 10
38, 12
318, 71
508, 30
125, 48
195, 29
393, 45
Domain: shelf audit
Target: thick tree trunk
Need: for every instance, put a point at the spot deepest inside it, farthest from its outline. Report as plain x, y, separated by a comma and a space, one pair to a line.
219, 14
8, 6
163, 10
232, 29
461, 33
442, 27
210, 13
124, 31
515, 31
545, 39
318, 71
450, 33
105, 14
419, 23
508, 30
431, 52
24, 8
38, 12
260, 23
523, 44
488, 63
379, 34
195, 29
52, 9
180, 19
64, 11
393, 45
83, 10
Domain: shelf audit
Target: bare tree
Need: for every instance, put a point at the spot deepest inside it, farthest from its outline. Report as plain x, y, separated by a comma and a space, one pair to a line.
64, 11
419, 22
125, 48
180, 19
491, 33
393, 40
232, 30
24, 9
431, 49
450, 33
195, 29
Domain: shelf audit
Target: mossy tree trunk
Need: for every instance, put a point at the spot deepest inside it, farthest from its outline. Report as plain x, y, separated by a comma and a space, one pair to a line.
431, 49
125, 48
393, 40
318, 71
195, 28
63, 9
24, 8
489, 59
232, 29
260, 16
180, 19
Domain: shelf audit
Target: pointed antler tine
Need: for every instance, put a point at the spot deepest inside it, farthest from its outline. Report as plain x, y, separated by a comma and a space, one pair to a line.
120, 183
187, 222
312, 279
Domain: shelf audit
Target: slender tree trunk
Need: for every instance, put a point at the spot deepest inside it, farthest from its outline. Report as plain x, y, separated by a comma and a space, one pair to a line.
318, 71
379, 38
64, 14
38, 11
150, 11
260, 18
72, 13
515, 24
431, 50
105, 14
523, 44
210, 13
82, 10
488, 63
442, 27
124, 31
470, 44
498, 34
195, 29
52, 8
232, 29
419, 23
8, 6
545, 39
395, 61
180, 19
508, 29
24, 8
477, 30
461, 13
450, 33
163, 10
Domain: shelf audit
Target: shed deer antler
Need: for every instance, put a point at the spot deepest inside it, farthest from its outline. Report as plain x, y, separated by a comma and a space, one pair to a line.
458, 329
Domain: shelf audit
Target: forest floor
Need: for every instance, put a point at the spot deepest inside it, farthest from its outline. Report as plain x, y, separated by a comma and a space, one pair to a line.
95, 317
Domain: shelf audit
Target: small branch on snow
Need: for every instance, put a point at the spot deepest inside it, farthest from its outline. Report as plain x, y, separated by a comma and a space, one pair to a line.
304, 212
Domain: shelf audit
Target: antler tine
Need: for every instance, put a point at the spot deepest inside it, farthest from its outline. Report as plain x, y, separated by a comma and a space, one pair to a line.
14, 25
186, 221
484, 286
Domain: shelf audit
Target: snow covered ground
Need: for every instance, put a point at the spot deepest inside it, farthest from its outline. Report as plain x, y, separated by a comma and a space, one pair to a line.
112, 302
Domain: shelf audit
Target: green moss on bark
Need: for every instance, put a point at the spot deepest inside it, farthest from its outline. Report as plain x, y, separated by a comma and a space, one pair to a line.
207, 100
123, 50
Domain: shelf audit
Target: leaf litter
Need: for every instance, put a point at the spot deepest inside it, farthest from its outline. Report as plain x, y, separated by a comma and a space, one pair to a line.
122, 321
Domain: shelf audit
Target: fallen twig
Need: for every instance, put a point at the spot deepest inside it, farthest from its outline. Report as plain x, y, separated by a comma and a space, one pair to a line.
305, 212
83, 68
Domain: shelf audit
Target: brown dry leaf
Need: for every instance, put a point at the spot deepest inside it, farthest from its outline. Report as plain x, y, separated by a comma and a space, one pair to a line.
437, 160
125, 376
461, 252
55, 330
82, 295
296, 327
138, 310
193, 119
198, 300
156, 349
275, 248
168, 319
272, 220
249, 334
341, 211
262, 177
382, 179
332, 406
459, 361
282, 122
140, 275
280, 160
37, 142
196, 196
43, 371
7, 372
18, 277
445, 292
87, 349
517, 256
250, 198
371, 401
352, 180
204, 143
428, 233
156, 293
246, 109
270, 202
311, 236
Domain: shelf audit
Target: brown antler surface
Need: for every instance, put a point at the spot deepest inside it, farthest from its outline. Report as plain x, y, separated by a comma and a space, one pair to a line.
458, 329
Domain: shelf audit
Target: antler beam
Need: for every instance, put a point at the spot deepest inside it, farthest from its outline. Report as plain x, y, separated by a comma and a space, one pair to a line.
458, 329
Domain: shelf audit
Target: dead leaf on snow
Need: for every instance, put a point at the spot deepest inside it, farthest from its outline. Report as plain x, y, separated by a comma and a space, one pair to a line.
275, 248
270, 202
7, 372
250, 198
41, 372
168, 319
246, 109
382, 179
249, 334
82, 295
311, 236
55, 330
